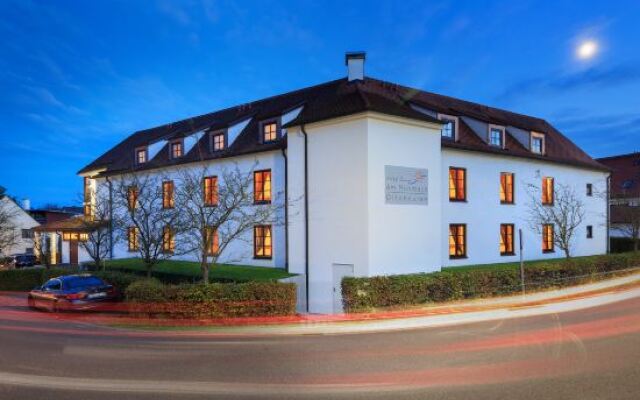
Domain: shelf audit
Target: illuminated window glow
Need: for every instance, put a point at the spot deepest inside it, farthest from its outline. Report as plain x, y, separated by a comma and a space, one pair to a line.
547, 238
262, 186
506, 239
262, 241
167, 194
269, 131
506, 188
168, 240
213, 241
547, 191
132, 238
457, 184
457, 241
210, 190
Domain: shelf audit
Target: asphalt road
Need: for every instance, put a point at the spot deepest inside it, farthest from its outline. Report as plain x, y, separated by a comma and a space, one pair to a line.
586, 354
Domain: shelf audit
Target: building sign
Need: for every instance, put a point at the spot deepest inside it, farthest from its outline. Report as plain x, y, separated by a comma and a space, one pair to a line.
404, 185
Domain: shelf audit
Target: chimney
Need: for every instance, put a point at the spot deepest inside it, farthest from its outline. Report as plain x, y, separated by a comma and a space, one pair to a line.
26, 204
355, 65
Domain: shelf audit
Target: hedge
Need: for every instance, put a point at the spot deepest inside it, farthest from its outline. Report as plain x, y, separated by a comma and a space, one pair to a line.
363, 294
29, 278
621, 244
150, 297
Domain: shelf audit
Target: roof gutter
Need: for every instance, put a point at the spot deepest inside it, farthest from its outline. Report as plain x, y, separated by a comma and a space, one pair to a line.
306, 216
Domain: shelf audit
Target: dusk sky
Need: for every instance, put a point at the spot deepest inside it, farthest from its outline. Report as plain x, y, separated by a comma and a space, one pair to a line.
77, 77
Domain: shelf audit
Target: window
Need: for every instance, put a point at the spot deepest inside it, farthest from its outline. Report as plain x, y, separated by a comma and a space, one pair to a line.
167, 194
27, 234
589, 189
547, 238
496, 136
449, 127
141, 155
176, 149
589, 232
213, 241
537, 143
507, 240
457, 241
506, 188
262, 241
269, 131
218, 141
262, 186
132, 238
210, 190
168, 240
132, 197
75, 236
457, 184
87, 197
547, 191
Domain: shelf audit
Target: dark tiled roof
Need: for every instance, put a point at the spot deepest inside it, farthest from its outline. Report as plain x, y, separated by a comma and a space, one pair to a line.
625, 174
624, 214
335, 99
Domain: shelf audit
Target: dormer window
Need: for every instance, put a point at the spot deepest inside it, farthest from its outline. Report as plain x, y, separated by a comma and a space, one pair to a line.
449, 129
269, 131
496, 136
218, 141
175, 149
537, 143
142, 154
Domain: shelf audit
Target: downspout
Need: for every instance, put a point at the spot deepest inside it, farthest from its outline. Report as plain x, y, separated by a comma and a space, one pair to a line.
286, 209
609, 213
306, 216
110, 217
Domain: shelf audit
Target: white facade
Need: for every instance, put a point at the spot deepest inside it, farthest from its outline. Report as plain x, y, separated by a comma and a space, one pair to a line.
21, 221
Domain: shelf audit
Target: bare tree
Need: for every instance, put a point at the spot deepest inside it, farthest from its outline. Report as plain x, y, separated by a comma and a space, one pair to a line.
148, 221
8, 229
220, 209
565, 213
96, 227
627, 220
42, 247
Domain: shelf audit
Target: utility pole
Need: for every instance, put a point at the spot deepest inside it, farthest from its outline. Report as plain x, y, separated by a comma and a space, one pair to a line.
521, 262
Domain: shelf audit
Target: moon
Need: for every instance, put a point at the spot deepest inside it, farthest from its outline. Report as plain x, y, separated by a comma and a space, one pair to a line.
587, 49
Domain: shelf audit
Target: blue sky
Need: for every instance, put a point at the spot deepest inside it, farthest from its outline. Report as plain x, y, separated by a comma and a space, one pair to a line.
76, 77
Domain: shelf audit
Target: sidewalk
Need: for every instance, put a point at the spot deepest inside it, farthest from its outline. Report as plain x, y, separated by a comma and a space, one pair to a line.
550, 302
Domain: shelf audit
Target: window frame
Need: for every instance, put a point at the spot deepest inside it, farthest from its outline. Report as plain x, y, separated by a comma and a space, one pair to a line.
589, 231
144, 150
543, 144
214, 194
503, 133
173, 143
507, 244
257, 256
589, 189
456, 123
458, 199
545, 200
255, 192
212, 140
133, 243
168, 240
86, 190
275, 121
505, 201
215, 244
548, 243
168, 202
463, 254
132, 198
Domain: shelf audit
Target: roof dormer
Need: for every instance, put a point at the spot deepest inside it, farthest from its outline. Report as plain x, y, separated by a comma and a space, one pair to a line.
496, 136
270, 130
538, 145
176, 148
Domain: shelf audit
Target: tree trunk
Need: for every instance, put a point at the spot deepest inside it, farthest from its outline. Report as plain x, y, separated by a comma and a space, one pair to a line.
204, 267
149, 267
567, 254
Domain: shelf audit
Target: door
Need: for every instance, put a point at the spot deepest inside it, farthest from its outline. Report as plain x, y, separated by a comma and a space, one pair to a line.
339, 271
73, 252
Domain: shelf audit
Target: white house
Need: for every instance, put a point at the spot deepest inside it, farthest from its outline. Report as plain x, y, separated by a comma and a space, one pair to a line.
386, 179
19, 228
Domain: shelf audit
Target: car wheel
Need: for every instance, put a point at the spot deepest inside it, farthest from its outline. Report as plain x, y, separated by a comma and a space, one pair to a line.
31, 303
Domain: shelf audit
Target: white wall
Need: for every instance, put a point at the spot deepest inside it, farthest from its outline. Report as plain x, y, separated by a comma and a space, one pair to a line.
483, 213
20, 220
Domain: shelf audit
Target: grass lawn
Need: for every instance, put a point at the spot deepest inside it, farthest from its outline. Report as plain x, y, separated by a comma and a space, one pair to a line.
511, 265
192, 269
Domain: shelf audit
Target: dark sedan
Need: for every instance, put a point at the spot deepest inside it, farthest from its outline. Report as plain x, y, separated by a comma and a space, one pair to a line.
24, 260
72, 292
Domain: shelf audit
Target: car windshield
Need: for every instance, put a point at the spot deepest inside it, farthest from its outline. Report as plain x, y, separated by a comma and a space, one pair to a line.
82, 281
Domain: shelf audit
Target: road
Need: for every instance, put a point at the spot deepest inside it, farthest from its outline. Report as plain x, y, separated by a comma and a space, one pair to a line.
588, 354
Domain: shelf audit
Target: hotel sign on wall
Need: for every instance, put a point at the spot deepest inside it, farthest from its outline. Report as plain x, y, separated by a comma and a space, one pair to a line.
404, 185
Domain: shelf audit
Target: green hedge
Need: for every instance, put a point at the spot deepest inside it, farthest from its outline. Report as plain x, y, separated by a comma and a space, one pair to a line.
218, 300
362, 294
621, 245
29, 278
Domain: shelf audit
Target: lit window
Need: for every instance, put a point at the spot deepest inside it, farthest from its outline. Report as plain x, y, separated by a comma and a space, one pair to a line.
167, 194
262, 186
75, 236
176, 149
589, 189
168, 240
132, 238
547, 191
210, 190
496, 137
589, 232
457, 184
132, 197
212, 241
506, 239
217, 141
506, 188
547, 238
87, 197
537, 143
457, 241
141, 155
449, 127
269, 131
262, 241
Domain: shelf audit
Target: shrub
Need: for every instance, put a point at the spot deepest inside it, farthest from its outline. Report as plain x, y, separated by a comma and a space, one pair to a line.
29, 278
362, 294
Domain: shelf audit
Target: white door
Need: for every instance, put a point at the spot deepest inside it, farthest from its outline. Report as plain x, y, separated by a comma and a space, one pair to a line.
339, 272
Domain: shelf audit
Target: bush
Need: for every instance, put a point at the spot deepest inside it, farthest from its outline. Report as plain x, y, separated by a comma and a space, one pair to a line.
362, 294
27, 279
621, 244
218, 300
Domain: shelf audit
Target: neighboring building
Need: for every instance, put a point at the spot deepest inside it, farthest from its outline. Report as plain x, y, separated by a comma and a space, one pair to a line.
625, 192
382, 178
54, 223
23, 225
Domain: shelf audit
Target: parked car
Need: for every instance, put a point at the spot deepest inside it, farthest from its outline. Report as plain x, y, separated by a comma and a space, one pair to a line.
72, 292
24, 260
